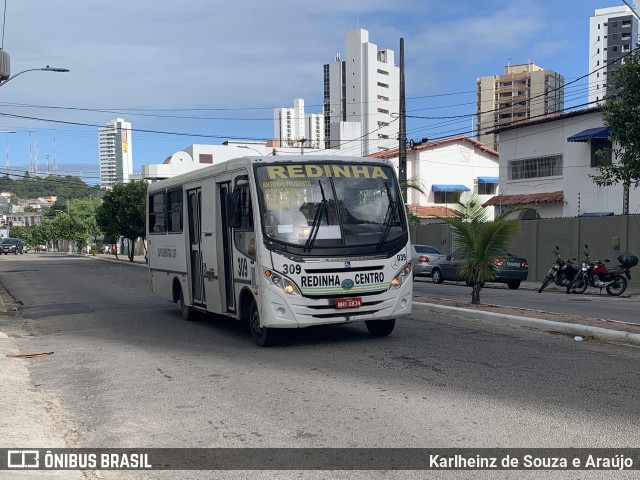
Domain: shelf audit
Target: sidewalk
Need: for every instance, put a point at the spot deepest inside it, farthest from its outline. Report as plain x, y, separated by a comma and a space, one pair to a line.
26, 422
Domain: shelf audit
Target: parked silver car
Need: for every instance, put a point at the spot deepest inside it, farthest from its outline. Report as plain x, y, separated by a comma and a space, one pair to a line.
510, 269
424, 256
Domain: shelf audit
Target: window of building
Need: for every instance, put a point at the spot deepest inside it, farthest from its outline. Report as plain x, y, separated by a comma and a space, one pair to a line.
487, 188
548, 166
381, 97
206, 158
600, 152
383, 72
506, 84
382, 110
446, 197
383, 85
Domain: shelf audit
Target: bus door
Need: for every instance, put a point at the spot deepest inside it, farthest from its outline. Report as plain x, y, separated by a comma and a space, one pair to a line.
227, 249
194, 212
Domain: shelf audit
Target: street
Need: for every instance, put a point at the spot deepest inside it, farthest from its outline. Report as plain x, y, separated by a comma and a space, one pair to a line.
128, 372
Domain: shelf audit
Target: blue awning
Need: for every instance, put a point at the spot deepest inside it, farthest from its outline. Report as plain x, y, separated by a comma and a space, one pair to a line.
487, 179
450, 188
588, 134
597, 214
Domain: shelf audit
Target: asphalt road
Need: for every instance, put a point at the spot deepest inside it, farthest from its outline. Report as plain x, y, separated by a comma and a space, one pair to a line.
128, 372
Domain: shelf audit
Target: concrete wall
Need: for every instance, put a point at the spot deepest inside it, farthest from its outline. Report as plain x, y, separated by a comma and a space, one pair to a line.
607, 237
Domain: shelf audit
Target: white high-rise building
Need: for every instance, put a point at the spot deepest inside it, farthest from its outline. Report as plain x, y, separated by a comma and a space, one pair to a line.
294, 128
115, 153
362, 98
613, 33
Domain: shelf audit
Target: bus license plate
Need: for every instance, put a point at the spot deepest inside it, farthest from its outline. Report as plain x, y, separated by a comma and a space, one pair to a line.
349, 302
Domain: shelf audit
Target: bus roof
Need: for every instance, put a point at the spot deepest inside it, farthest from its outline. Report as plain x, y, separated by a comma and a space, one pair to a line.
235, 163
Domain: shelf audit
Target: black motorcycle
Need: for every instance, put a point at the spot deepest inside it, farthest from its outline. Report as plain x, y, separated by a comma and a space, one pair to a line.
562, 272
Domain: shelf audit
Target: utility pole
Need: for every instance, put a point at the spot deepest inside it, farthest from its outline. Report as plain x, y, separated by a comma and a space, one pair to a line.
402, 133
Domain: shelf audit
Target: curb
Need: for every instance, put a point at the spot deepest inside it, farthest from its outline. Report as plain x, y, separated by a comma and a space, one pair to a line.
538, 323
124, 261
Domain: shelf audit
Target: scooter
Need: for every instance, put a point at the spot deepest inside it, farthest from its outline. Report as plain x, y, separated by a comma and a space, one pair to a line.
562, 272
596, 274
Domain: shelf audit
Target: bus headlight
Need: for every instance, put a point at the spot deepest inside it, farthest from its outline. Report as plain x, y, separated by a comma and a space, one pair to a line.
282, 282
401, 276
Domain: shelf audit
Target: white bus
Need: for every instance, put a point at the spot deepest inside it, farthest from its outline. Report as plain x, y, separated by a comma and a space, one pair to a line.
283, 242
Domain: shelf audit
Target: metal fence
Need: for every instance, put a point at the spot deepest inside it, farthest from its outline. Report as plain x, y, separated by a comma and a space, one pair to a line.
607, 237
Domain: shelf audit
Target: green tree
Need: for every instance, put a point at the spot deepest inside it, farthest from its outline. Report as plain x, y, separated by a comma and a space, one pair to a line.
621, 112
22, 233
83, 211
123, 213
480, 239
63, 227
41, 233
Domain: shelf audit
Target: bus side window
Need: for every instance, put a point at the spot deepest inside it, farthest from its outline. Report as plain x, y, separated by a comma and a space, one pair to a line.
244, 235
157, 214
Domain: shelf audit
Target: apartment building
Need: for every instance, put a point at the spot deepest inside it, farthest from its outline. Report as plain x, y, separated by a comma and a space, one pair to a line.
613, 33
361, 97
523, 92
294, 128
115, 153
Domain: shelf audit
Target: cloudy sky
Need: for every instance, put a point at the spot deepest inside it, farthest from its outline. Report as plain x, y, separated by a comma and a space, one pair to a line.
204, 71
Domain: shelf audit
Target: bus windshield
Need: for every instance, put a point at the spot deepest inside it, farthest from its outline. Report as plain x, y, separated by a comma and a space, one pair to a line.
320, 205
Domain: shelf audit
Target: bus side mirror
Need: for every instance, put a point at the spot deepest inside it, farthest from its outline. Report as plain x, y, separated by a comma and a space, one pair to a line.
232, 212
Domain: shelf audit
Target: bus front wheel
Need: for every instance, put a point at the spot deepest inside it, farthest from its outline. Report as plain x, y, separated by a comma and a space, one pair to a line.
263, 336
380, 328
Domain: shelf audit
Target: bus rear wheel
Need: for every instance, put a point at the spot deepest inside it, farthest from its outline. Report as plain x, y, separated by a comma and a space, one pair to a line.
263, 336
186, 311
380, 328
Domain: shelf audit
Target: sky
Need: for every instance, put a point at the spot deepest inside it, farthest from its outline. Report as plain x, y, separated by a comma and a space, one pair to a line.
206, 71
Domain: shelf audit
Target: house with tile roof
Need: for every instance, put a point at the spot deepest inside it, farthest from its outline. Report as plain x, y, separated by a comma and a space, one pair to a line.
549, 163
444, 169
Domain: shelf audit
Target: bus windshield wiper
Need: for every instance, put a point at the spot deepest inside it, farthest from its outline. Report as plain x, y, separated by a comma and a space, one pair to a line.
322, 207
389, 217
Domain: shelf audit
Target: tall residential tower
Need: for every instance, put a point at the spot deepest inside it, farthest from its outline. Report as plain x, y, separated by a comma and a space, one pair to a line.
361, 98
116, 163
524, 91
613, 33
294, 128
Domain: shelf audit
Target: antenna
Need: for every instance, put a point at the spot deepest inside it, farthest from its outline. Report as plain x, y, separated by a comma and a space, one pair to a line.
55, 159
30, 156
36, 156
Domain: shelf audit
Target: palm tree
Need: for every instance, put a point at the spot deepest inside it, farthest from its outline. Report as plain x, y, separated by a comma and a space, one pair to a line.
480, 239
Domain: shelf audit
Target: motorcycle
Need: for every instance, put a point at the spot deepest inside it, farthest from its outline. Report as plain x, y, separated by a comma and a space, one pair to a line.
562, 272
596, 274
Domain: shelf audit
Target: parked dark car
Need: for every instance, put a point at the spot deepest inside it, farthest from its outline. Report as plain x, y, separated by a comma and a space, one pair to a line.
424, 256
11, 245
510, 269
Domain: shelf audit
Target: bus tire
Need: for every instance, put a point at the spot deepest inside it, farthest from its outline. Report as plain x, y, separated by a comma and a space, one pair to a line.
186, 311
380, 328
263, 336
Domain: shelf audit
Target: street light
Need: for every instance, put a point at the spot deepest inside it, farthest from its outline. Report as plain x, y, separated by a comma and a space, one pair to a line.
251, 148
43, 69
